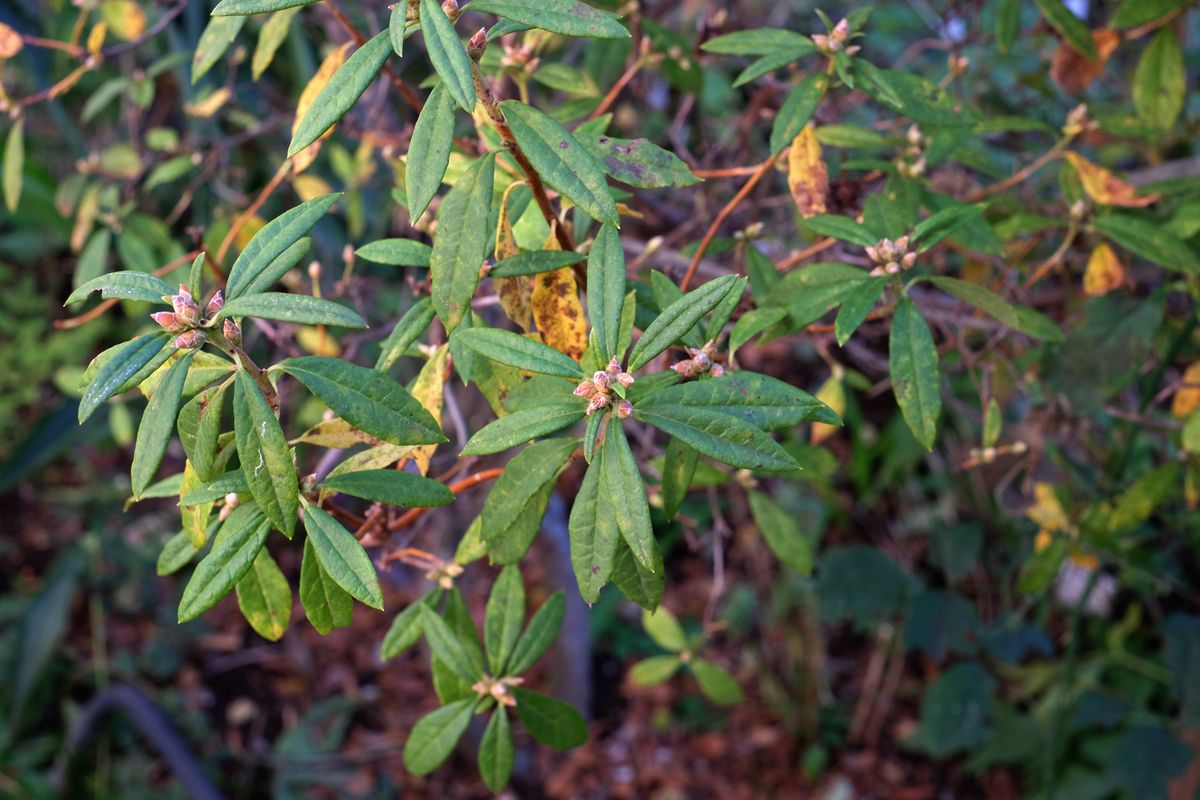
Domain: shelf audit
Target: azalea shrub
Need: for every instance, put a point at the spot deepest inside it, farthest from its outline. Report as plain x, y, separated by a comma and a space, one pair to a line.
378, 261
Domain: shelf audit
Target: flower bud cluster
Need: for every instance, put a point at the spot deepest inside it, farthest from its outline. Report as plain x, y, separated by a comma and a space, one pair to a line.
911, 162
891, 256
607, 387
444, 574
835, 41
700, 363
497, 688
186, 319
1078, 121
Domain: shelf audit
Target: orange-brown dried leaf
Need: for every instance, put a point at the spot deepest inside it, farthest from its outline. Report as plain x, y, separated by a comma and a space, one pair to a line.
1106, 188
10, 42
808, 177
516, 298
1104, 273
558, 312
1187, 397
1073, 71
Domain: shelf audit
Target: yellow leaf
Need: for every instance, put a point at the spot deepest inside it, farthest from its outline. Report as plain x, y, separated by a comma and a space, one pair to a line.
1106, 188
335, 433
194, 518
318, 342
10, 42
1046, 510
95, 39
124, 18
310, 186
557, 310
1187, 398
247, 231
1104, 272
207, 106
833, 394
428, 388
330, 65
807, 176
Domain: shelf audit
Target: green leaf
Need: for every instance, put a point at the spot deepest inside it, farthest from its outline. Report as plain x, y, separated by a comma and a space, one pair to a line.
983, 299
677, 319
1037, 325
568, 17
434, 736
561, 161
1070, 27
992, 422
462, 241
303, 309
270, 37
398, 27
391, 487
513, 511
326, 604
263, 450
275, 238
856, 307
637, 162
447, 646
406, 332
941, 224
862, 584
447, 54
234, 550
215, 39
1160, 82
157, 425
954, 710
522, 426
1149, 241
1133, 13
622, 484
718, 435
429, 150
594, 534
913, 363
843, 228
752, 323
654, 670
551, 721
781, 530
396, 252
664, 629
723, 311
534, 263
265, 598
233, 481
606, 290
406, 627
123, 365
342, 92
246, 7
541, 632
342, 557
176, 554
14, 164
518, 351
679, 465
760, 41
126, 284
368, 399
797, 110
717, 684
642, 586
917, 98
496, 752
503, 619
199, 428
279, 266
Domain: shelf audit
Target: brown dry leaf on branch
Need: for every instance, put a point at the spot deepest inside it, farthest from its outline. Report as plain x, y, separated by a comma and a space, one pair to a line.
1106, 188
1073, 71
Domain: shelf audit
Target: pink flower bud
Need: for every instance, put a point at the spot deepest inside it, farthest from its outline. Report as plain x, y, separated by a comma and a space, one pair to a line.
717, 371
701, 362
625, 379
189, 340
477, 44
601, 379
624, 409
902, 243
215, 305
596, 403
451, 9
684, 368
586, 389
908, 260
614, 366
168, 320
231, 332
